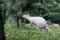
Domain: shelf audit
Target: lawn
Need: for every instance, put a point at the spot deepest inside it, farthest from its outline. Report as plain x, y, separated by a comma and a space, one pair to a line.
28, 32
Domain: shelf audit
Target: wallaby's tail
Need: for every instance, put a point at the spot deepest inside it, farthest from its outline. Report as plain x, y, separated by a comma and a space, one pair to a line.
48, 28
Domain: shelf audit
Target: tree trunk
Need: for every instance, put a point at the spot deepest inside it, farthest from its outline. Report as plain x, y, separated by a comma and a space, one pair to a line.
2, 34
2, 21
17, 22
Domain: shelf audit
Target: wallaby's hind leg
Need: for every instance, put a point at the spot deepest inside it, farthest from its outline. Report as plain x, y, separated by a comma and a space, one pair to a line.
38, 28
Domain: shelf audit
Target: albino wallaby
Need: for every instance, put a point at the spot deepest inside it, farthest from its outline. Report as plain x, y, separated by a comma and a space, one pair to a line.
40, 22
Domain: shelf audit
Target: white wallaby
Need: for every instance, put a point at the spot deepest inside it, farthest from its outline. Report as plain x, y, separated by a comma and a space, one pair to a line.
40, 22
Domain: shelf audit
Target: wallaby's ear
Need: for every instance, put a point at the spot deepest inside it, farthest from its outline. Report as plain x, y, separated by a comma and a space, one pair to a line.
28, 14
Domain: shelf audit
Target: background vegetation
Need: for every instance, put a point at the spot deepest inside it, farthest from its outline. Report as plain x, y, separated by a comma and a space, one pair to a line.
28, 32
49, 9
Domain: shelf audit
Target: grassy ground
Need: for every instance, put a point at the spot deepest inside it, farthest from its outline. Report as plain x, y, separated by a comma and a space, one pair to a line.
28, 32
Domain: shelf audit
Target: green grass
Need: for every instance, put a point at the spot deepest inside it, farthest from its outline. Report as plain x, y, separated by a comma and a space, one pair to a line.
28, 32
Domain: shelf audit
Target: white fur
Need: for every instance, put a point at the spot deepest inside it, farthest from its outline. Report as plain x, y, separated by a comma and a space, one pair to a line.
40, 22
